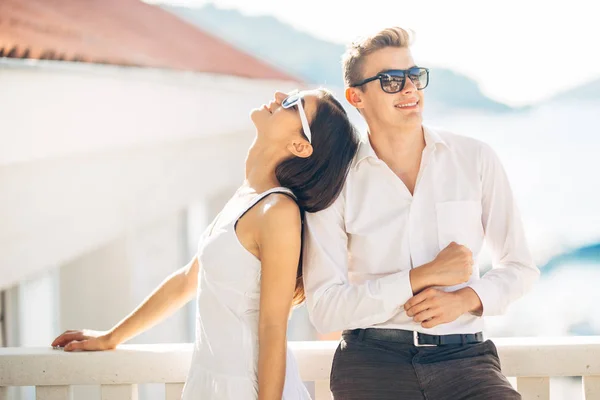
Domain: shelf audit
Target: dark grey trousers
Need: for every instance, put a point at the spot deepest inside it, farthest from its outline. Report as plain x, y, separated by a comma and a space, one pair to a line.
369, 369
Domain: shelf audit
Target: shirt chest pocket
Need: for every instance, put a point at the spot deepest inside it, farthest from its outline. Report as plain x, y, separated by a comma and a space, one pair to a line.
460, 222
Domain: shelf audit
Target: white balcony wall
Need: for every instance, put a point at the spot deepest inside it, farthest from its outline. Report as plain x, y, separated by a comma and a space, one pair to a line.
89, 153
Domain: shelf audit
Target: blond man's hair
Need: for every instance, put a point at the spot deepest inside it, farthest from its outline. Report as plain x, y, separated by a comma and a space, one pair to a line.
357, 52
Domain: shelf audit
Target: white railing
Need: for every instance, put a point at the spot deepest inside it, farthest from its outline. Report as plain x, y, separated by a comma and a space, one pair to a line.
531, 360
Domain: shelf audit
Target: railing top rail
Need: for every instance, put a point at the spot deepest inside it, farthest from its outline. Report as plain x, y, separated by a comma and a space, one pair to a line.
163, 363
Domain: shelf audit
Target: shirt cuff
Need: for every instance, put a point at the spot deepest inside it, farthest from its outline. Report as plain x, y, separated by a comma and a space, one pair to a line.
395, 291
489, 296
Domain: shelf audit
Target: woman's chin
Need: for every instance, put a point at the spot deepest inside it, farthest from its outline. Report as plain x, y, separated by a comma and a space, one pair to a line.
255, 116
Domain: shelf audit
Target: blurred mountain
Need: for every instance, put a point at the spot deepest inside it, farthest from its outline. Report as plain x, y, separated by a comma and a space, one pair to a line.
317, 61
587, 92
589, 255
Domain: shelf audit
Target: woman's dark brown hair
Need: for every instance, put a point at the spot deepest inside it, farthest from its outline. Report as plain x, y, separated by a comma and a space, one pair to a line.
318, 180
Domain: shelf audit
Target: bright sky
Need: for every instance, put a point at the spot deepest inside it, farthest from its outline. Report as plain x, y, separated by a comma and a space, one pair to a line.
520, 51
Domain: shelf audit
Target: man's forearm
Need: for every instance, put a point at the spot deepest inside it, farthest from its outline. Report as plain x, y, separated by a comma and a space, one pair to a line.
335, 307
421, 278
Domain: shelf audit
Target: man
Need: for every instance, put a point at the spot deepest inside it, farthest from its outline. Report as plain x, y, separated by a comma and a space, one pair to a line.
391, 261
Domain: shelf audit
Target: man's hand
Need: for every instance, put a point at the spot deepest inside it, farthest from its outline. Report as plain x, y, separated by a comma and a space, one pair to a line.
452, 266
433, 307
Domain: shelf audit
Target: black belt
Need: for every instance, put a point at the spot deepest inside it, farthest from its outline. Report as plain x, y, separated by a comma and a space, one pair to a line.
415, 338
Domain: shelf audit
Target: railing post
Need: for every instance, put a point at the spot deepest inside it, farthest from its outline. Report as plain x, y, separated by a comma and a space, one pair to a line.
536, 388
63, 392
119, 392
173, 391
322, 391
591, 387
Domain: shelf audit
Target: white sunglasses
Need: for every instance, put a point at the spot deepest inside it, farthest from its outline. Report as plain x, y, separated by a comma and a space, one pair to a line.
296, 99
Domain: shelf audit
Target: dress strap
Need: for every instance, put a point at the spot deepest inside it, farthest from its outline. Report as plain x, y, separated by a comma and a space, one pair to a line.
262, 195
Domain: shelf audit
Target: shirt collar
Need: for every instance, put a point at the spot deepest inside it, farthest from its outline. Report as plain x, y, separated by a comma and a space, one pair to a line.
365, 150
432, 137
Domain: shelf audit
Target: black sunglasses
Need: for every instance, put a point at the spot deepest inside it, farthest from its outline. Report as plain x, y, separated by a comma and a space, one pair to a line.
393, 81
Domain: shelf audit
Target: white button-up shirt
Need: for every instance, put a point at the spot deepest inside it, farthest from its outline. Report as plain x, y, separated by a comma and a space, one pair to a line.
358, 252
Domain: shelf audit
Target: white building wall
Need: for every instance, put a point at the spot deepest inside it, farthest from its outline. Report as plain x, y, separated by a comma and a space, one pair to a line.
89, 151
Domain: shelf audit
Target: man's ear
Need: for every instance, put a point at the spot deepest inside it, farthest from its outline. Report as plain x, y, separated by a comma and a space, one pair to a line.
354, 97
300, 148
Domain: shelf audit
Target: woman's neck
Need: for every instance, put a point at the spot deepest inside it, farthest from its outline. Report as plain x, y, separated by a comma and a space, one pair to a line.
260, 169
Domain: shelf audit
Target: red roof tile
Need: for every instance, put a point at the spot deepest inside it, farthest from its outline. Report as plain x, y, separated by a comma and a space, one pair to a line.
124, 32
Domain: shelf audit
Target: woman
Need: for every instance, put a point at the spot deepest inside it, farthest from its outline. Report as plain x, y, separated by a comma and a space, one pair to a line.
248, 271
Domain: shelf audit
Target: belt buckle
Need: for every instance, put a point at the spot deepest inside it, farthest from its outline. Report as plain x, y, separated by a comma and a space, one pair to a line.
416, 341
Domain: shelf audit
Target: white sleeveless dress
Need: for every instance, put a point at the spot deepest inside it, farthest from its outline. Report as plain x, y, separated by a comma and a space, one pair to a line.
225, 360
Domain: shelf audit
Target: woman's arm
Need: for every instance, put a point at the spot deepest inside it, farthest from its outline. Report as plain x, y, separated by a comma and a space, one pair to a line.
173, 293
279, 241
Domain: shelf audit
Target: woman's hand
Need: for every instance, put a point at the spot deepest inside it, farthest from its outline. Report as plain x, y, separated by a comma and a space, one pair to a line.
85, 340
173, 292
